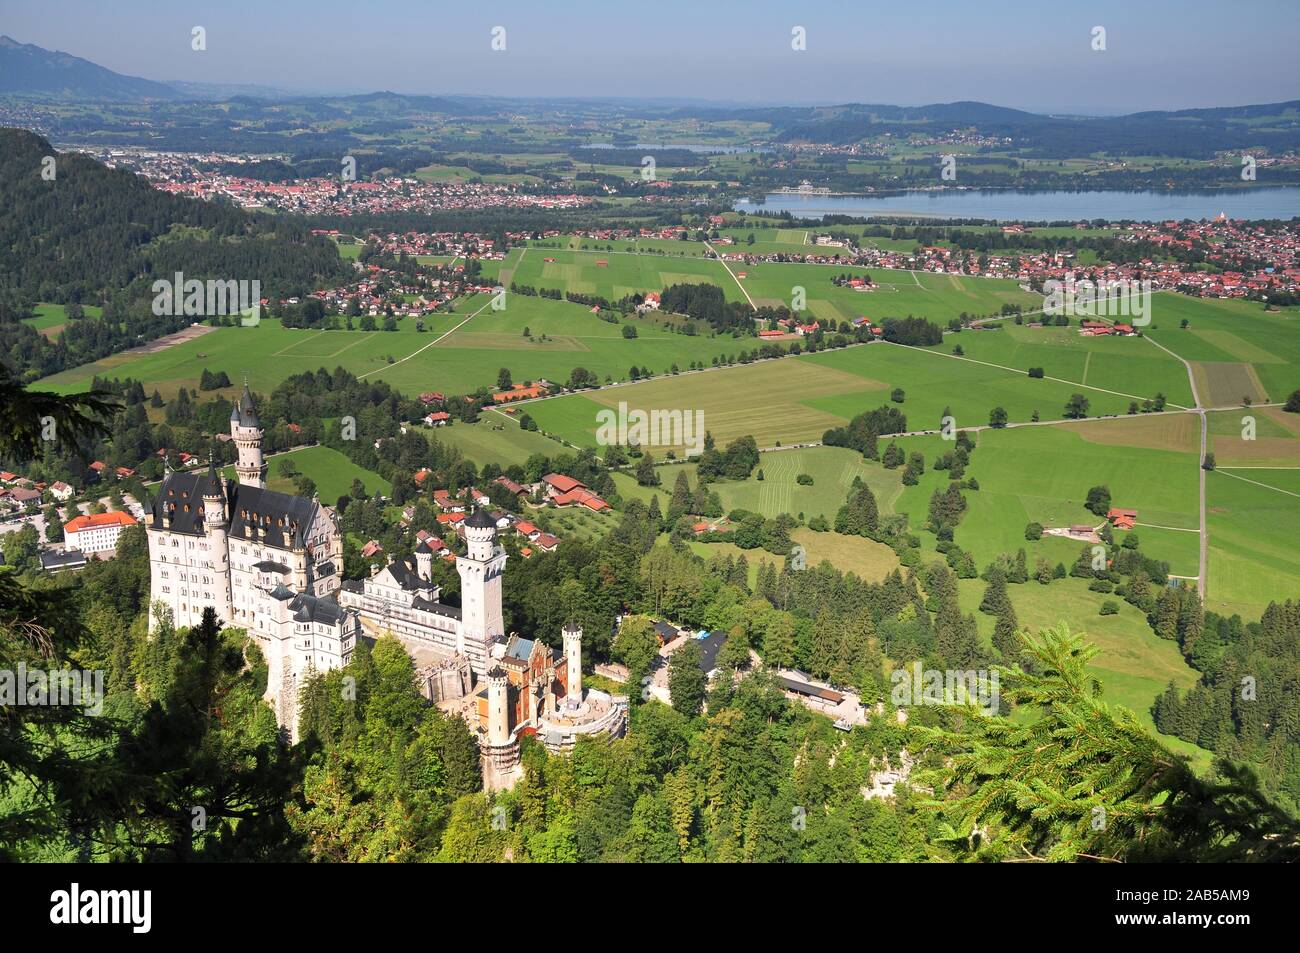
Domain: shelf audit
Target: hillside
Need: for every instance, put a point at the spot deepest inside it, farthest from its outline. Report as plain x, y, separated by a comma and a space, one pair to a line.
94, 235
29, 70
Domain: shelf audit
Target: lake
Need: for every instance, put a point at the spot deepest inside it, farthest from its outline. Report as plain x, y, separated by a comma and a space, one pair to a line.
1013, 205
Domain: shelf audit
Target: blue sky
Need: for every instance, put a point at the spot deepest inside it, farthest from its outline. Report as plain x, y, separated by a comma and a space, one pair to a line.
1160, 54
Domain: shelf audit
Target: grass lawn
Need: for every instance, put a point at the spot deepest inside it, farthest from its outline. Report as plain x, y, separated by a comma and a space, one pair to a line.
1134, 665
332, 472
1253, 533
1129, 365
869, 560
1239, 348
496, 438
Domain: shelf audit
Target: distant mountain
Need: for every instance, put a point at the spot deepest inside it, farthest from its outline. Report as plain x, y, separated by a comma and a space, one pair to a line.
29, 70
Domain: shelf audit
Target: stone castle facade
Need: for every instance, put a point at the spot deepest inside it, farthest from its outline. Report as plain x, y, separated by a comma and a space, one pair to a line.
271, 563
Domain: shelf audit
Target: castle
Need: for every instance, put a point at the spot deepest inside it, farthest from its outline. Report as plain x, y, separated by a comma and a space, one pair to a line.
271, 564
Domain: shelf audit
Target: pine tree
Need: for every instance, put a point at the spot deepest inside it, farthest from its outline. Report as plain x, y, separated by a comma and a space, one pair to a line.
1005, 635
1165, 618
995, 593
1084, 780
686, 680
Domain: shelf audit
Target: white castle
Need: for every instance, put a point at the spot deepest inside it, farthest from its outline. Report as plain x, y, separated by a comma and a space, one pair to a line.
271, 563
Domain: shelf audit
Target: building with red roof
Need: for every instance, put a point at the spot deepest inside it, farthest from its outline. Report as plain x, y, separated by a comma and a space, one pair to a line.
97, 532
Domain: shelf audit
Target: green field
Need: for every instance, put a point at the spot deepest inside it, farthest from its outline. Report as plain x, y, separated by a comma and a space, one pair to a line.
1240, 350
1275, 443
622, 274
898, 293
332, 472
49, 319
496, 438
832, 470
1253, 534
1134, 665
1043, 474
796, 399
869, 560
1128, 365
563, 336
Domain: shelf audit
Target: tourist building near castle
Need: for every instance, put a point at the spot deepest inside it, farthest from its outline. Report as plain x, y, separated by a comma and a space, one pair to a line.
271, 563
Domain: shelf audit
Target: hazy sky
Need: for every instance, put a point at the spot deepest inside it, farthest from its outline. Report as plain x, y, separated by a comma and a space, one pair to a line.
1161, 54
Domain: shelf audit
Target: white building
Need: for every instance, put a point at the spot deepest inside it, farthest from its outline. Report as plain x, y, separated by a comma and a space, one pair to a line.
402, 599
266, 562
96, 533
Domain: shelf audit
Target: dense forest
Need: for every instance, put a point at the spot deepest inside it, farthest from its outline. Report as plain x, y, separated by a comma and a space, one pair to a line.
77, 232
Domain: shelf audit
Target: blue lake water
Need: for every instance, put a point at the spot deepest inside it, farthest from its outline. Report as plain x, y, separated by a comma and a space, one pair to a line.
1012, 205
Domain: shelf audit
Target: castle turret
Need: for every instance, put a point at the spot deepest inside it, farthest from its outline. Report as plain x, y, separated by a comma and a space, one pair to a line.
480, 588
213, 493
298, 557
498, 708
573, 660
424, 561
246, 431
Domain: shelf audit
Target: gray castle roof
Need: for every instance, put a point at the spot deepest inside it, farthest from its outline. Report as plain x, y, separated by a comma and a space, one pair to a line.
243, 413
248, 509
309, 608
480, 519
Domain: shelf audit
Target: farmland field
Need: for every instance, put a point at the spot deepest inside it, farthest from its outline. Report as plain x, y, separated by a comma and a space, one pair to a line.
563, 336
898, 293
622, 274
1134, 665
1253, 534
870, 560
1240, 350
762, 399
49, 319
1042, 474
796, 399
496, 438
832, 470
330, 470
1125, 364
1275, 443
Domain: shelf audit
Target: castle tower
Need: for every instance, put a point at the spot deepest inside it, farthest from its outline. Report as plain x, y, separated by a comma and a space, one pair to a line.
246, 431
498, 708
299, 560
424, 561
214, 526
499, 753
573, 658
480, 588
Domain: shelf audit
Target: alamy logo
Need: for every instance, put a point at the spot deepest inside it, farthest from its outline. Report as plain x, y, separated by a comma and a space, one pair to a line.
134, 907
1118, 297
204, 299
932, 686
655, 428
25, 686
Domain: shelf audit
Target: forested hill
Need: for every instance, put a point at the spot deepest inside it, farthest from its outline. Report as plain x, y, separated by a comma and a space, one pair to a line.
94, 235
